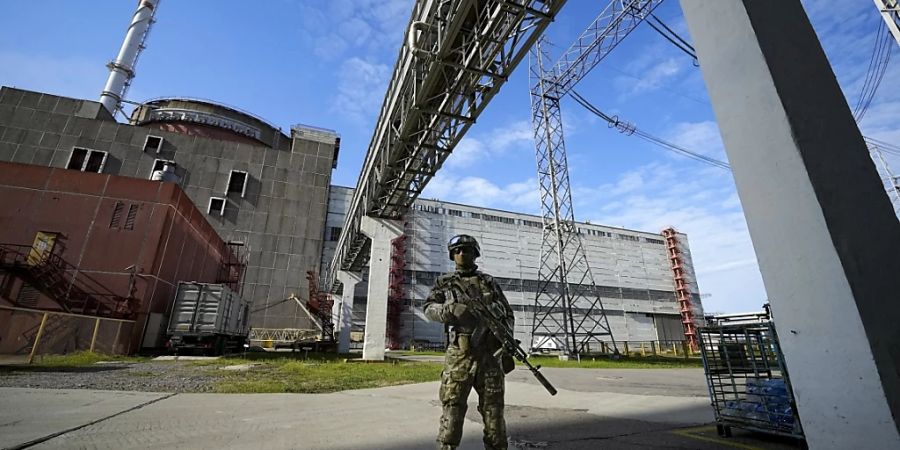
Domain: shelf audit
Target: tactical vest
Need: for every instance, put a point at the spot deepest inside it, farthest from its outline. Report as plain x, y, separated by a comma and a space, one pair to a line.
469, 333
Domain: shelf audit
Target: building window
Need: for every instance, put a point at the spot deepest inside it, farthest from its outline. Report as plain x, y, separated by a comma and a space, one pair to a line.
116, 215
454, 212
655, 241
86, 160
334, 233
491, 218
153, 144
216, 206
237, 183
159, 164
131, 217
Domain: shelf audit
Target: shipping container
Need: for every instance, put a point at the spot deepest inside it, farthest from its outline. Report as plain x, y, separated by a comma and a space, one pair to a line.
210, 318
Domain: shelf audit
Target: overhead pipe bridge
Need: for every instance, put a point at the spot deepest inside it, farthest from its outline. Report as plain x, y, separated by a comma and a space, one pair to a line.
456, 56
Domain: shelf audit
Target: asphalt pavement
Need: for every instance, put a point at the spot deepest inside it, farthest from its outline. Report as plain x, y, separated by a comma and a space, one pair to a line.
595, 408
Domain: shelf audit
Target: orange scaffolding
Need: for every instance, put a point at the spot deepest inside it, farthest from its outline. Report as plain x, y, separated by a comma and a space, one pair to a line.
682, 288
320, 304
395, 291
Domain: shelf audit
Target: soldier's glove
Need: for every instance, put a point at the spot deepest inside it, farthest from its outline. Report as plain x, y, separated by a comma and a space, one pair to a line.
457, 312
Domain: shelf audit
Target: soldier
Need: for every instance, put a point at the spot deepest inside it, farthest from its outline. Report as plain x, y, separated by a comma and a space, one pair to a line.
470, 360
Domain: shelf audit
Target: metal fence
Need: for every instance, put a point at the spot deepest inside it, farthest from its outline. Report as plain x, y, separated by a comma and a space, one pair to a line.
748, 383
25, 331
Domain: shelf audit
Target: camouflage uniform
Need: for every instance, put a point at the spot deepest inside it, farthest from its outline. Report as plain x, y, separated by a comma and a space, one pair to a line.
470, 360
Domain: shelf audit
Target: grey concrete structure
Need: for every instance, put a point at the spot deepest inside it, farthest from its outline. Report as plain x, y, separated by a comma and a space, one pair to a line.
630, 268
822, 226
381, 232
258, 185
343, 311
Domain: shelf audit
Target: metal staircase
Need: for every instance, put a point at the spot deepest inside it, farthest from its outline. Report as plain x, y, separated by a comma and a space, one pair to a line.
53, 277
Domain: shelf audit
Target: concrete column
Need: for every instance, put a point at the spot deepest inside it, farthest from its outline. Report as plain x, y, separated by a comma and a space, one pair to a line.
822, 226
381, 232
345, 308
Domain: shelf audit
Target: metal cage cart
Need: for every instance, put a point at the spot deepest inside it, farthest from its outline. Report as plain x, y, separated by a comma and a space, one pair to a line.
748, 383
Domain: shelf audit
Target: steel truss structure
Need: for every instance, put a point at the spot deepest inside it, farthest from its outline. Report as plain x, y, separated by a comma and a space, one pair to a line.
890, 181
456, 56
283, 334
568, 311
890, 12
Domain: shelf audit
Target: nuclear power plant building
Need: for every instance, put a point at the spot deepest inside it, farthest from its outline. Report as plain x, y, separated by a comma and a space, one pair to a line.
263, 191
632, 270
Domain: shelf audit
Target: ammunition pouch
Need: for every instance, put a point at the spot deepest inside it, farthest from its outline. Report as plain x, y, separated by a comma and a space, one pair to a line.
507, 363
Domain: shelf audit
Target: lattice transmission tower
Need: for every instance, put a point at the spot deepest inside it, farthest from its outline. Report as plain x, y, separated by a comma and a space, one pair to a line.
568, 310
891, 182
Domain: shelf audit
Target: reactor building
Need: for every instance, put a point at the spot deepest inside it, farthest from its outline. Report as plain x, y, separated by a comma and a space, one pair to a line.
636, 275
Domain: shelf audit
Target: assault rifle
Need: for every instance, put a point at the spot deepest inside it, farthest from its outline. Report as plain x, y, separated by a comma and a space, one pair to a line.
494, 317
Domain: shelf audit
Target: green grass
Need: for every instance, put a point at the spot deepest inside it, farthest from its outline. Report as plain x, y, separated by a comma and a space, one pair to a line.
81, 359
419, 352
297, 376
274, 358
602, 362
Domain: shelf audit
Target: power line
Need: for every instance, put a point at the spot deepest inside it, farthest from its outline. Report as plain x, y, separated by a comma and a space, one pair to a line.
629, 129
884, 146
881, 55
672, 36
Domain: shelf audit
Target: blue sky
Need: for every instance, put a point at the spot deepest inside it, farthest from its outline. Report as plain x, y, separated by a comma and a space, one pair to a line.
327, 63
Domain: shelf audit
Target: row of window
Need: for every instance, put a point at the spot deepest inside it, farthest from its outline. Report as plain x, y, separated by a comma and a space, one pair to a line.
88, 160
523, 285
595, 232
528, 223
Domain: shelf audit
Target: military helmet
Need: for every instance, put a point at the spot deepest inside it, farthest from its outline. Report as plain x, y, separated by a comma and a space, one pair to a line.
462, 240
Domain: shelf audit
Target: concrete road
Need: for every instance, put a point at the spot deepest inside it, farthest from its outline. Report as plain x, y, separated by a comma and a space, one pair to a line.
594, 409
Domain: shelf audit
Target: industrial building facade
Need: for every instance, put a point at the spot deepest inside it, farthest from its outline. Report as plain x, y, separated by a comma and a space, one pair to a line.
632, 270
262, 191
268, 196
82, 245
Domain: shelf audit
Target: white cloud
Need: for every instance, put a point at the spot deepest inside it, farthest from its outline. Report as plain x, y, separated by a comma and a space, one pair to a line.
361, 87
476, 191
706, 208
466, 153
483, 146
657, 76
698, 137
342, 26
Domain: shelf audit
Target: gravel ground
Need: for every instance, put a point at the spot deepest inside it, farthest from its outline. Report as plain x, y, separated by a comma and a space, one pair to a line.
154, 376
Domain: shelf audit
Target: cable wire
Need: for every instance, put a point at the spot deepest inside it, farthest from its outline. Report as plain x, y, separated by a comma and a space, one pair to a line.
629, 129
881, 55
883, 146
682, 44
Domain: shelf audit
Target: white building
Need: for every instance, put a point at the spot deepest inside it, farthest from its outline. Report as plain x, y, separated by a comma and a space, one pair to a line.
631, 269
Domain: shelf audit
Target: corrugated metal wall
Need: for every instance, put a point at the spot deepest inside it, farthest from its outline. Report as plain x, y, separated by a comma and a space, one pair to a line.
630, 268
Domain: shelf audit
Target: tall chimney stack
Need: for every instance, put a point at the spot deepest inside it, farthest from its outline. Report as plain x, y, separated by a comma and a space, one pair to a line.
121, 71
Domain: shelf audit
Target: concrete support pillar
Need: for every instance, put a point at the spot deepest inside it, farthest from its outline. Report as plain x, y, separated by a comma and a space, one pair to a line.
381, 232
345, 308
823, 229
